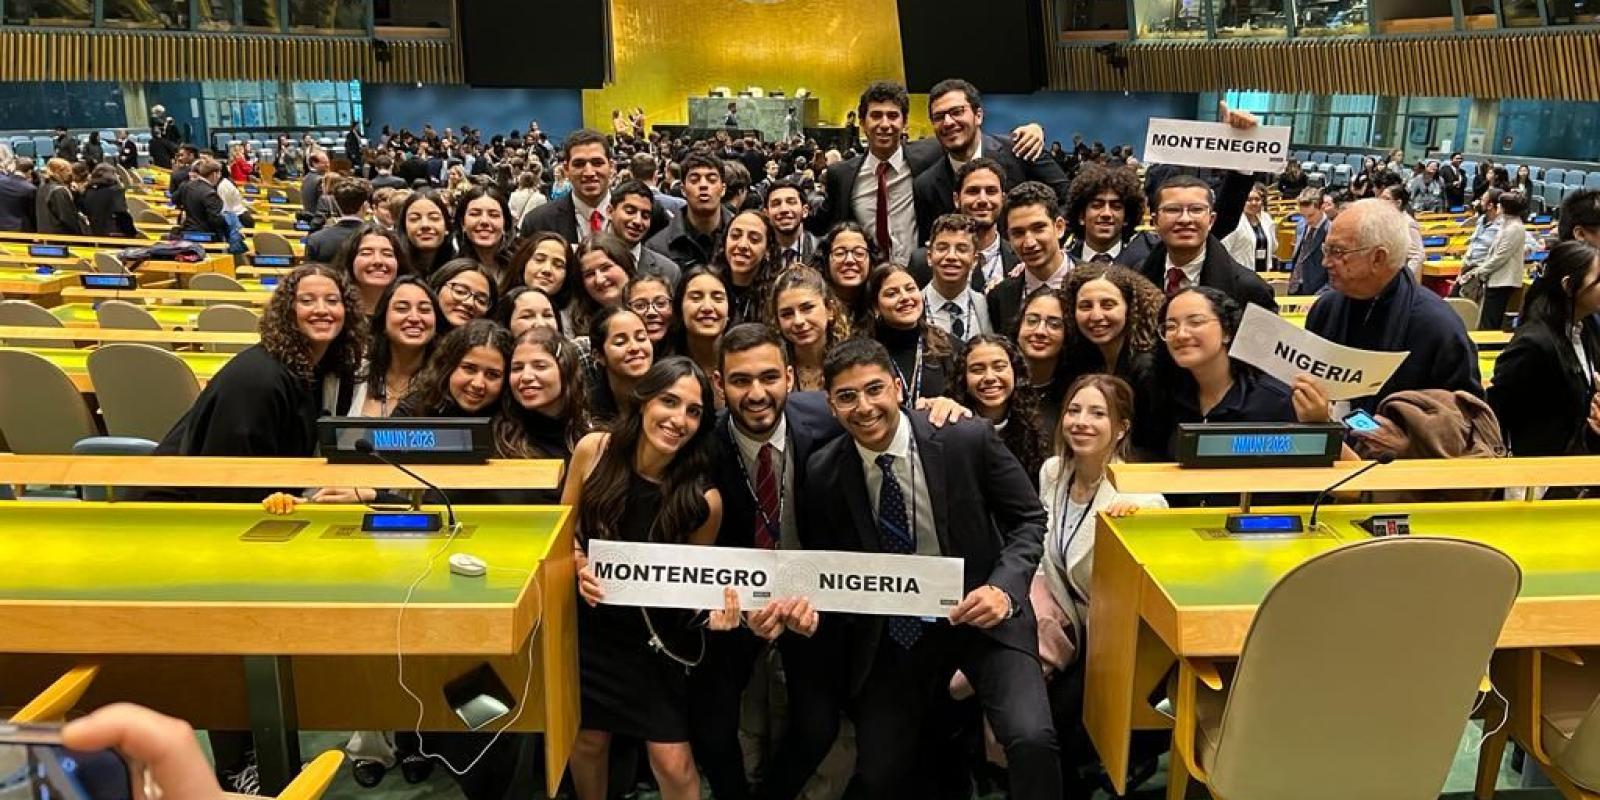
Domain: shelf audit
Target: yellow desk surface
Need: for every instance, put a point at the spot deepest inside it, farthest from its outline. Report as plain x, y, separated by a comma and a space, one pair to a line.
28, 284
1164, 588
1494, 339
82, 315
258, 297
75, 363
1407, 474
100, 242
70, 336
208, 471
175, 600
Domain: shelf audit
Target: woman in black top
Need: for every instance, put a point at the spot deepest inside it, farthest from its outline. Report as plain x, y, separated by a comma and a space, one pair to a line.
922, 353
1292, 181
1544, 381
425, 226
748, 260
466, 292
55, 207
1115, 328
986, 382
105, 203
650, 296
542, 261
844, 257
524, 308
605, 264
702, 307
465, 375
1040, 336
266, 400
622, 355
645, 481
481, 230
371, 259
544, 410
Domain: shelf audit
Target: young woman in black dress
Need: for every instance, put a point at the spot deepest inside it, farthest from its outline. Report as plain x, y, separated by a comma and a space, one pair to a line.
544, 410
465, 375
645, 481
987, 371
922, 353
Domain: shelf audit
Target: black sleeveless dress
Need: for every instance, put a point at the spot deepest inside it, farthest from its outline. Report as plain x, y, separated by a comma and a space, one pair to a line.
628, 687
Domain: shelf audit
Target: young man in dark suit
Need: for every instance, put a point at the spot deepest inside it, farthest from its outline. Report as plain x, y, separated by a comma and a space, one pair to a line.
762, 443
980, 194
1032, 222
632, 218
897, 485
1187, 211
1105, 208
351, 196
956, 109
586, 209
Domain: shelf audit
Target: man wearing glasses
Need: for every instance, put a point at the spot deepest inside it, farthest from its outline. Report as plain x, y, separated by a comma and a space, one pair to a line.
1189, 255
632, 215
896, 484
956, 109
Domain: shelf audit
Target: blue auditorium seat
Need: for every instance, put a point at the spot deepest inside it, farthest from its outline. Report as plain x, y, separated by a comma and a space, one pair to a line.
1592, 180
1556, 175
43, 147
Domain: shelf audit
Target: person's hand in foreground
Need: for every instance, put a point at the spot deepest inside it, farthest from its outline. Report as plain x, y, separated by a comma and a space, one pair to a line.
164, 747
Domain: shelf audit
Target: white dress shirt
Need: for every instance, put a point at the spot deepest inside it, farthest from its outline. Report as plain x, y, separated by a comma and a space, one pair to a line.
1089, 252
993, 266
902, 208
971, 307
583, 211
750, 454
913, 484
977, 153
1191, 270
1058, 277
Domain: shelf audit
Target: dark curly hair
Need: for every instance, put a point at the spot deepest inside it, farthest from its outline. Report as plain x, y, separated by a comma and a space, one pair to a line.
510, 425
1025, 433
1143, 329
282, 339
1094, 179
861, 306
430, 390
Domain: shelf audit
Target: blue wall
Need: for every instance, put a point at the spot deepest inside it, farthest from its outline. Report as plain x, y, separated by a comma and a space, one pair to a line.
1549, 129
1112, 118
493, 111
45, 104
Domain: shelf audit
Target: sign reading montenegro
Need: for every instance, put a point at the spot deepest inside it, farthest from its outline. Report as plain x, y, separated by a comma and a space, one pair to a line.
1264, 148
690, 576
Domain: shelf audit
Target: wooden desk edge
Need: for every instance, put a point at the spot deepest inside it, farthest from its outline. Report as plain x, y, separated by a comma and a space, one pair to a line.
213, 472
1418, 474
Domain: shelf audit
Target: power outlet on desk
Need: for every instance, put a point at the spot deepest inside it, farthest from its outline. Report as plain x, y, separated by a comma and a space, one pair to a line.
1386, 525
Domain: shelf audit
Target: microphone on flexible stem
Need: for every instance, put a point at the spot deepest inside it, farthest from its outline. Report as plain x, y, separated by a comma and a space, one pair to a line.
1383, 458
364, 445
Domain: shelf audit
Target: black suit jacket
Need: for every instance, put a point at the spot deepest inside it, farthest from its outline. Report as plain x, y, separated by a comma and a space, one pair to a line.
986, 510
17, 204
935, 188
324, 244
810, 426
1540, 394
128, 154
561, 216
202, 208
1219, 271
840, 182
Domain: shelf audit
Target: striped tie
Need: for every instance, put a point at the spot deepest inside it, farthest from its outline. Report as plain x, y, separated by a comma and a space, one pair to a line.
768, 526
895, 536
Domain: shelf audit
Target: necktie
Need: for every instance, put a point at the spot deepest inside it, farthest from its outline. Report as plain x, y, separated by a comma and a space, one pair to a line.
958, 322
790, 257
595, 221
768, 511
1100, 258
1175, 278
895, 536
881, 227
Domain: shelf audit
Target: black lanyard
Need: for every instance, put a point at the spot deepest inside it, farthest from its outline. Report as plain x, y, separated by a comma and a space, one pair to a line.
774, 526
1063, 498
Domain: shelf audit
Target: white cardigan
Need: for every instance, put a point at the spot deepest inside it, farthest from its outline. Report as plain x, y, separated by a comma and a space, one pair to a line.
1241, 243
1057, 574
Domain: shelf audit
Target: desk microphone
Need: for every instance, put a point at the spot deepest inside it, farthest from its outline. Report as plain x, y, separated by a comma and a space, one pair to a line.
364, 445
1383, 458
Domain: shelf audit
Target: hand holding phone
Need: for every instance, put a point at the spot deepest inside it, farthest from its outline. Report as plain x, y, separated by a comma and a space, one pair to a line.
166, 747
1361, 422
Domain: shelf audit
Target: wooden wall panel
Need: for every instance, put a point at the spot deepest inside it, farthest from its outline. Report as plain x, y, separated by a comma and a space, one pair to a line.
70, 55
1556, 64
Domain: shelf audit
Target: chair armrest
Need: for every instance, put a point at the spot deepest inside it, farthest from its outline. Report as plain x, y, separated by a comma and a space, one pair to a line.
1206, 672
1566, 654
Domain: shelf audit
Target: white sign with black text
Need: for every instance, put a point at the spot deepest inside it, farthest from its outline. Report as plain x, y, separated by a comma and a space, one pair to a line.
691, 576
1283, 350
1264, 148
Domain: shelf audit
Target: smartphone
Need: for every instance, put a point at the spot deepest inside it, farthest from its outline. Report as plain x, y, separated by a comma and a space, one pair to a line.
34, 765
1361, 422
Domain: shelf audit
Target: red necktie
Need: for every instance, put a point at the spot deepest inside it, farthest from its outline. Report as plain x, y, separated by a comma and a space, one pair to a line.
595, 221
768, 524
882, 227
1175, 278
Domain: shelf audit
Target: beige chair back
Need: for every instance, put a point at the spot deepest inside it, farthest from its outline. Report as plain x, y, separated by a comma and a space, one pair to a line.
41, 412
1360, 671
124, 315
137, 205
142, 389
26, 314
151, 217
215, 282
228, 318
1466, 310
1279, 288
271, 244
109, 264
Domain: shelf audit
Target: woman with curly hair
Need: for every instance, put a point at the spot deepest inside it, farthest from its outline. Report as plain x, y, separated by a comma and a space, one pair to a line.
544, 410
465, 375
1114, 328
988, 369
810, 319
266, 400
843, 257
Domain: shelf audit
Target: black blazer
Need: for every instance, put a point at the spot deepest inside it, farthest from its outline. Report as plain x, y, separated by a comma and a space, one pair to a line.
202, 208
1005, 305
18, 198
935, 188
324, 244
922, 271
810, 425
57, 210
1540, 394
987, 513
106, 206
561, 216
840, 180
128, 153
1219, 271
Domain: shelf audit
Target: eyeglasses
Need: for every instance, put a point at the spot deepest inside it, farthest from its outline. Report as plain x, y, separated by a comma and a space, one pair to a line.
1195, 210
1173, 327
858, 253
848, 398
1054, 324
955, 111
463, 293
1341, 253
660, 305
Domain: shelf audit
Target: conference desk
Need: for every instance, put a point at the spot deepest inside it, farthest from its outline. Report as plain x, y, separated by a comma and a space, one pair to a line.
98, 242
71, 336
255, 295
1171, 583
1483, 339
236, 620
75, 362
20, 283
83, 315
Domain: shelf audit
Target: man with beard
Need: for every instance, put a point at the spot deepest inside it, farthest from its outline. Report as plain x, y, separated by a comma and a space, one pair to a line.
632, 211
786, 207
980, 194
956, 109
692, 238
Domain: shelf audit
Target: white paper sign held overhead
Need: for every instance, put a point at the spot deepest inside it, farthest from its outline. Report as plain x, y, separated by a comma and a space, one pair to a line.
1264, 148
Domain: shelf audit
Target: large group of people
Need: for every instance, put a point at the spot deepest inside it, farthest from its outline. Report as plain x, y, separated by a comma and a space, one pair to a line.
932, 346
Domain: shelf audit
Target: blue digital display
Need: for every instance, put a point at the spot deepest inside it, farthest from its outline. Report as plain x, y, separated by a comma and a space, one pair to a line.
402, 522
1260, 444
408, 440
277, 199
47, 250
44, 270
198, 236
251, 189
269, 282
403, 439
107, 281
1264, 523
274, 261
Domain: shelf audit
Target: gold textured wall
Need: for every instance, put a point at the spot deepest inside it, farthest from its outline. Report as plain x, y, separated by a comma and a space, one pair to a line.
667, 50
